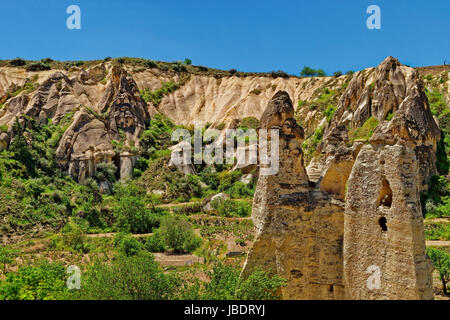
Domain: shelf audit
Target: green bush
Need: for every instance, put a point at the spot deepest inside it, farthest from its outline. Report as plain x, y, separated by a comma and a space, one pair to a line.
155, 243
74, 237
441, 261
130, 210
226, 284
38, 66
329, 112
18, 62
437, 231
138, 277
249, 123
7, 256
279, 74
178, 234
232, 208
309, 72
44, 282
127, 244
436, 202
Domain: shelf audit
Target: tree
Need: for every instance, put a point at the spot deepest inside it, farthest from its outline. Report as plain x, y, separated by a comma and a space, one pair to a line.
307, 72
441, 261
178, 234
320, 73
106, 172
227, 284
130, 211
187, 61
138, 277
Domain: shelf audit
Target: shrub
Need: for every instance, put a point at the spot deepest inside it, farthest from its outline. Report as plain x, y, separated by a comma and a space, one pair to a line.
138, 277
307, 72
279, 74
226, 284
156, 96
38, 66
18, 62
329, 112
127, 244
7, 256
47, 60
178, 234
231, 208
249, 123
187, 62
44, 282
74, 237
105, 172
130, 211
441, 261
337, 74
155, 243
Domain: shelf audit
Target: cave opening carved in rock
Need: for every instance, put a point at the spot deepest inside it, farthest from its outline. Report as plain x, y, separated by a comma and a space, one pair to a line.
385, 197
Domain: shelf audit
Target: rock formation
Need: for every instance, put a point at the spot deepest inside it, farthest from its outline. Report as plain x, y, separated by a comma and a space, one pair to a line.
372, 246
299, 228
383, 216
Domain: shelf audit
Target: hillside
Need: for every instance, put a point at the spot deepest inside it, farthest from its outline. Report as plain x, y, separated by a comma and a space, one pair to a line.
85, 171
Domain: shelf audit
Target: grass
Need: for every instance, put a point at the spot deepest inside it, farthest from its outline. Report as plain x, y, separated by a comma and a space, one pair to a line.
365, 131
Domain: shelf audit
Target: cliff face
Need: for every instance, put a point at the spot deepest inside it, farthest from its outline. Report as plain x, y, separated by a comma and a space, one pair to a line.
104, 107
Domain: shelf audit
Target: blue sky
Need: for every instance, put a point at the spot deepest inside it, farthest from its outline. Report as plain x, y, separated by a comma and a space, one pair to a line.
247, 35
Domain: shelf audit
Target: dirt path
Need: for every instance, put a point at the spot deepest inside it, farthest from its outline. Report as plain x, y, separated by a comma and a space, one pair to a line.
437, 220
113, 234
171, 205
437, 243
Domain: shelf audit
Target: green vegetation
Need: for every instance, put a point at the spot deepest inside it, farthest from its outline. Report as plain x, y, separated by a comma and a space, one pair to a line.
232, 208
178, 235
43, 282
136, 277
329, 112
441, 261
310, 145
437, 231
365, 131
156, 96
226, 284
279, 74
436, 202
309, 72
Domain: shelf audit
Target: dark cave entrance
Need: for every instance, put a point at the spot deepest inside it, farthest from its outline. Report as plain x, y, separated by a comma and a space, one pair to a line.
383, 223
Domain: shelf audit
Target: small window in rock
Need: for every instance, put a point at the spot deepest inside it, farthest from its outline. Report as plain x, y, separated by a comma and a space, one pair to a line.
385, 197
330, 288
382, 221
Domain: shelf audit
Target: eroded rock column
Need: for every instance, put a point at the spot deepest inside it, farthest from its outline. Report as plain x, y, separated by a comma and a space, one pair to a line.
299, 228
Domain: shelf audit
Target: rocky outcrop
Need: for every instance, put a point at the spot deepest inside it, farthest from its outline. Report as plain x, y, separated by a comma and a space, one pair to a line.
299, 227
396, 90
383, 216
355, 230
383, 232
